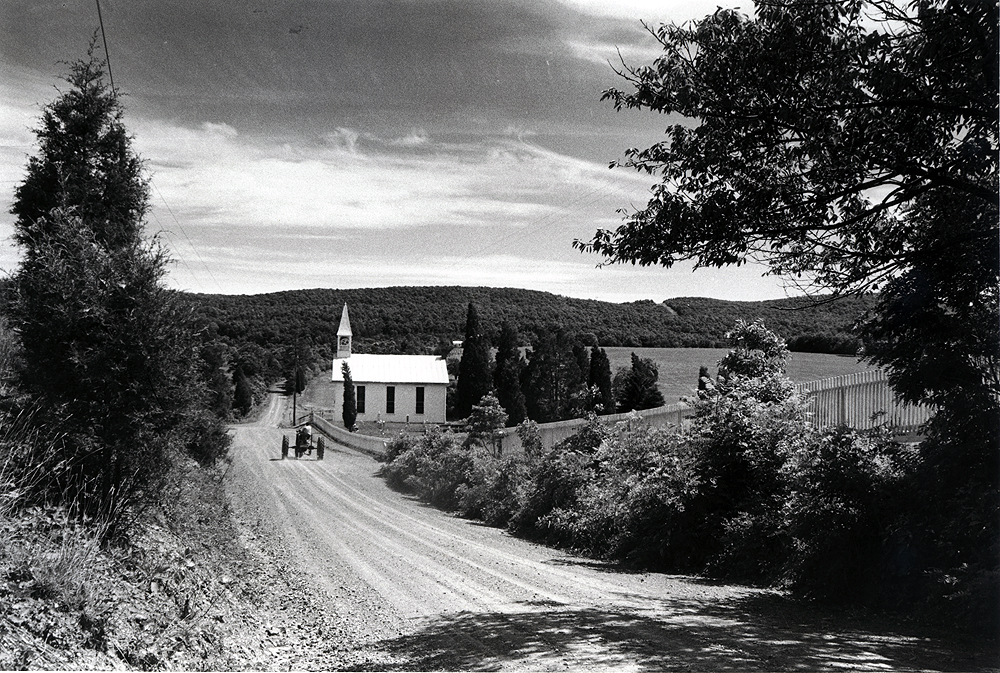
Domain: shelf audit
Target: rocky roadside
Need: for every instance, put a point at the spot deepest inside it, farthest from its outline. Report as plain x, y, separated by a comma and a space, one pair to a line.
195, 588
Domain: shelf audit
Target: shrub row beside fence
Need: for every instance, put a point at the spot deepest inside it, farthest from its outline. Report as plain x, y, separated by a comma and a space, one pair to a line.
861, 401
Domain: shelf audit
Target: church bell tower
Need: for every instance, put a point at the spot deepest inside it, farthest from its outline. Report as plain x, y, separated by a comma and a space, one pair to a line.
344, 336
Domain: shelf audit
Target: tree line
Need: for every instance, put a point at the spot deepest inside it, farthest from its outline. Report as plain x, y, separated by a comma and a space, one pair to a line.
421, 319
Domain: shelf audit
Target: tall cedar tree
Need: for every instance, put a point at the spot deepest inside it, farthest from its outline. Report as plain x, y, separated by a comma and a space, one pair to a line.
242, 395
554, 387
599, 380
639, 390
507, 375
350, 412
108, 356
474, 374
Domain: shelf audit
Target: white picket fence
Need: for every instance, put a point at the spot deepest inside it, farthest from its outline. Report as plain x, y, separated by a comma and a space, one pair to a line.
371, 445
861, 401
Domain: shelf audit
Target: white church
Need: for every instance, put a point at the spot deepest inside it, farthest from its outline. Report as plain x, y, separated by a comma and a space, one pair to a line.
394, 388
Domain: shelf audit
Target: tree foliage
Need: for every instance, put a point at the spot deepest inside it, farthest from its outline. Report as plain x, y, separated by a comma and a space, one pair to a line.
638, 387
350, 412
822, 130
554, 387
242, 393
851, 145
507, 369
475, 374
109, 356
382, 318
599, 382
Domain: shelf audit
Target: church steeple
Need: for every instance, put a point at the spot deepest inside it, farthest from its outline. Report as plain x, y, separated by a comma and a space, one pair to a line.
344, 335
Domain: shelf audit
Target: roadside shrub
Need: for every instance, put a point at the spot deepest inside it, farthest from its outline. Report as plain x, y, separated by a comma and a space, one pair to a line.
554, 484
635, 508
746, 425
432, 468
843, 497
396, 447
472, 495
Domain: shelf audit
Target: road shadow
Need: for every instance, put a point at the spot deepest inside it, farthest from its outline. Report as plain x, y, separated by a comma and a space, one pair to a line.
763, 632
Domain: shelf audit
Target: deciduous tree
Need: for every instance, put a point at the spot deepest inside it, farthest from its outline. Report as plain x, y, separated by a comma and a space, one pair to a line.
851, 146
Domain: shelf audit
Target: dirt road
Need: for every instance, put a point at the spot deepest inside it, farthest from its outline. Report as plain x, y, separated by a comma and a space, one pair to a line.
409, 587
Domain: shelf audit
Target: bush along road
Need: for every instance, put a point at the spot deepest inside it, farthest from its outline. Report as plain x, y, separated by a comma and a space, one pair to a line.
356, 576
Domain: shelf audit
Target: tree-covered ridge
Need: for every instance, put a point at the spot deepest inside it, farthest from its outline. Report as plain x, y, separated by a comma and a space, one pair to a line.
414, 319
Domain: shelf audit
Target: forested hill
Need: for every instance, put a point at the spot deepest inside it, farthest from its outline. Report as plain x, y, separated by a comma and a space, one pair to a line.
417, 319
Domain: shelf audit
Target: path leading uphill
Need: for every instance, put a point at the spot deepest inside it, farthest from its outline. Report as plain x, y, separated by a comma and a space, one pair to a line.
389, 583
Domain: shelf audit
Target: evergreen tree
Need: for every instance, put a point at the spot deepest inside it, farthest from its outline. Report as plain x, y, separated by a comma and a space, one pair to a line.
599, 381
242, 395
507, 375
554, 387
639, 389
474, 375
350, 413
108, 355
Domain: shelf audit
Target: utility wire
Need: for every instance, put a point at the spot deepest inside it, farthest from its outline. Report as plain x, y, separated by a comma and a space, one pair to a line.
185, 234
107, 56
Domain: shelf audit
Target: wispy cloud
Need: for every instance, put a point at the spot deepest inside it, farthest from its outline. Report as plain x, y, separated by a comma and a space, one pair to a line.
215, 177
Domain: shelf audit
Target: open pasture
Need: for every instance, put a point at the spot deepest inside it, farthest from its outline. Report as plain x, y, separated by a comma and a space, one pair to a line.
678, 367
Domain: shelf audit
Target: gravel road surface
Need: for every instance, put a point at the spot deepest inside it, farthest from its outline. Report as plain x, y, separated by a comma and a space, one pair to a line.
368, 578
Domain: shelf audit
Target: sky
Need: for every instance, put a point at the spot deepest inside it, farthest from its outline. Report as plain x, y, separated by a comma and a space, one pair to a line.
367, 143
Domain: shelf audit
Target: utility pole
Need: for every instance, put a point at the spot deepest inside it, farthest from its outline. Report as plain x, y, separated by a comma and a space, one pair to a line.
295, 384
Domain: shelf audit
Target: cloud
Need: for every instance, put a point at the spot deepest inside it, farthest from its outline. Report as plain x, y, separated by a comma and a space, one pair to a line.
222, 130
214, 177
651, 11
416, 138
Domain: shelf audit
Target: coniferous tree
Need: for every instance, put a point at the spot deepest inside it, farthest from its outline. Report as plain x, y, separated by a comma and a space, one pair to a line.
554, 387
507, 375
599, 380
474, 374
108, 353
639, 389
242, 395
350, 412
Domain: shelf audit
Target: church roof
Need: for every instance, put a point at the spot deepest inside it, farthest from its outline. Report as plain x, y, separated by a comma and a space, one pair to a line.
369, 368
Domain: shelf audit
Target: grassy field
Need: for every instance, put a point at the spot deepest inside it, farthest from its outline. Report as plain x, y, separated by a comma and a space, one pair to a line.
679, 366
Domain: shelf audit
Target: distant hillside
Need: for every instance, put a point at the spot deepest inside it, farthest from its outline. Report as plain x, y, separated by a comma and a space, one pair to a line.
418, 319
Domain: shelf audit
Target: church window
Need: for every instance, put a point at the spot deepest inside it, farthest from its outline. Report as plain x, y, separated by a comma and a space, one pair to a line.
420, 400
390, 399
360, 402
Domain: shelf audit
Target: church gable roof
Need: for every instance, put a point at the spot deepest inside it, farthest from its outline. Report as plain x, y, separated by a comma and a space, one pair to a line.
370, 368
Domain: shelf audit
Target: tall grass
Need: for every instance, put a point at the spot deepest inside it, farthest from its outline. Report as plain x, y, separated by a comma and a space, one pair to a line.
48, 547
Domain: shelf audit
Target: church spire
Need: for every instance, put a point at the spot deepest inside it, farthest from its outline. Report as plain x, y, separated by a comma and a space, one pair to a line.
344, 335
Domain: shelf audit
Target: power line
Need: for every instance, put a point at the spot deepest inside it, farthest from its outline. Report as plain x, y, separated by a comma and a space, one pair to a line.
107, 56
188, 238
